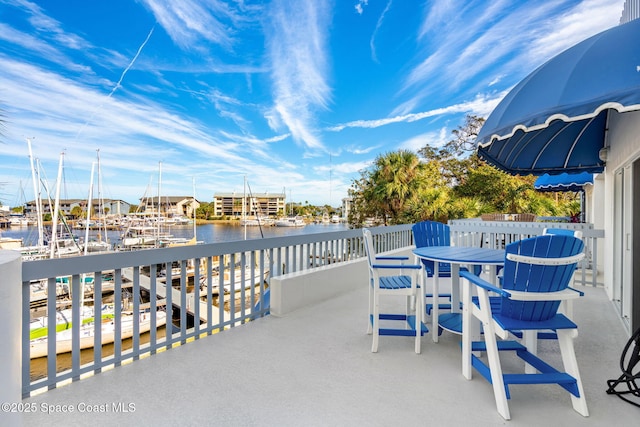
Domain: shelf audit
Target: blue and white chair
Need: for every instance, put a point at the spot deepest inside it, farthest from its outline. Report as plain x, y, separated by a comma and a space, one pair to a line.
428, 234
536, 279
566, 307
390, 276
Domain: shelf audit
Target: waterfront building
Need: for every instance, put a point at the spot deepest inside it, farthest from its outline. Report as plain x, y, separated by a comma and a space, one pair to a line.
100, 207
170, 205
256, 204
346, 208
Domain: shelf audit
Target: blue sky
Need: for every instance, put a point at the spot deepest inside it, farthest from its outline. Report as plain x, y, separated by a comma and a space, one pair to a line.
295, 95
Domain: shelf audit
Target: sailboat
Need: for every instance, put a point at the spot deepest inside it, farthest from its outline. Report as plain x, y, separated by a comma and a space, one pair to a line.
146, 231
98, 245
291, 220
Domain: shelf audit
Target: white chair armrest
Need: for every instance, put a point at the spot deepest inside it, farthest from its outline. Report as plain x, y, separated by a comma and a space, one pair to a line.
546, 261
565, 294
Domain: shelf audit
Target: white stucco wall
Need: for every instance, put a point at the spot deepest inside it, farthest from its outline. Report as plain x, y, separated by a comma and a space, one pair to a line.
623, 139
624, 147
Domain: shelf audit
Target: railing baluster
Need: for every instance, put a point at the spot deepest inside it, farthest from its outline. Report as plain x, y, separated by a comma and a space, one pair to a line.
136, 313
51, 330
196, 297
77, 296
153, 299
183, 301
97, 322
209, 264
118, 326
221, 295
26, 338
243, 278
169, 298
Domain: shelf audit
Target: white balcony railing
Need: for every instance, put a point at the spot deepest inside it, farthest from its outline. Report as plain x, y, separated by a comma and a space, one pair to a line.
498, 234
200, 275
214, 287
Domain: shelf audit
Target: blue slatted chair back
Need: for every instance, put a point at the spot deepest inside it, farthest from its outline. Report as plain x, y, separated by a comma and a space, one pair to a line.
431, 233
526, 277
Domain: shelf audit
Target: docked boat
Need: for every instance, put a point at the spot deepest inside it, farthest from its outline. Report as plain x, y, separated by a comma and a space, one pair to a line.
291, 221
98, 246
257, 221
143, 237
19, 220
246, 279
10, 243
39, 346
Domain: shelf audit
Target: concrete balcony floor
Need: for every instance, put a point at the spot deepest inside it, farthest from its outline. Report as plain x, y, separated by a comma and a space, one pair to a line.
314, 368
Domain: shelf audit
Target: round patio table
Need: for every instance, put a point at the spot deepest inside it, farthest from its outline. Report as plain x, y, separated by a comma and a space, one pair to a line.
456, 256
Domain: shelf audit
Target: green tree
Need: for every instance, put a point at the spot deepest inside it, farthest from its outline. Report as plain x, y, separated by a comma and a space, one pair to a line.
388, 187
447, 182
77, 212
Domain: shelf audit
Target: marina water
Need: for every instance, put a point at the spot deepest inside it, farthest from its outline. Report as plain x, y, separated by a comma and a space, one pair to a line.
205, 233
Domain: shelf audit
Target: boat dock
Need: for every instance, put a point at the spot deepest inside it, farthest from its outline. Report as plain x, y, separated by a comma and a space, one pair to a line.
161, 291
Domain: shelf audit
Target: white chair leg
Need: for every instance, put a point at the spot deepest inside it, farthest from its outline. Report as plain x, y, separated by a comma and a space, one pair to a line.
467, 339
493, 355
376, 322
369, 325
418, 311
497, 380
570, 362
530, 340
435, 310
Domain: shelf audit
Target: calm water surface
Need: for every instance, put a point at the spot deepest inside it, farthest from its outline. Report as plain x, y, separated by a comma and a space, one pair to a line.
207, 233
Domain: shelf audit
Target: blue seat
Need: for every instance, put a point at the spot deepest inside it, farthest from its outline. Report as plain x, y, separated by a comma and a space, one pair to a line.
536, 278
384, 283
265, 304
431, 233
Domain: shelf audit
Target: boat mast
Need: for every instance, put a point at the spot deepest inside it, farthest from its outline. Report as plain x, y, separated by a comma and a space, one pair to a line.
37, 200
244, 207
193, 208
159, 192
88, 219
101, 203
56, 210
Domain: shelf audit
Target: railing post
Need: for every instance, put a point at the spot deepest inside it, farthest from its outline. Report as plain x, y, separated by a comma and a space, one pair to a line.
10, 335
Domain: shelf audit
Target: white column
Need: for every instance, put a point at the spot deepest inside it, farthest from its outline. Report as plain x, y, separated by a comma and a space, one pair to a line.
10, 333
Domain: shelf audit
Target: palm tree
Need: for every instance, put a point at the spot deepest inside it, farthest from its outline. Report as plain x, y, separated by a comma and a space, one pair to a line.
396, 179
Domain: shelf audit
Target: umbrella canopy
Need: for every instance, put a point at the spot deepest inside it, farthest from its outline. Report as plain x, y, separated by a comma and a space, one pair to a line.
563, 182
555, 119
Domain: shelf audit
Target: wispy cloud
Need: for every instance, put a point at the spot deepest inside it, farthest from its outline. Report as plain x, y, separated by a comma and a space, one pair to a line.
481, 105
587, 17
366, 150
372, 43
29, 43
128, 134
521, 36
51, 28
297, 39
434, 139
360, 5
190, 23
